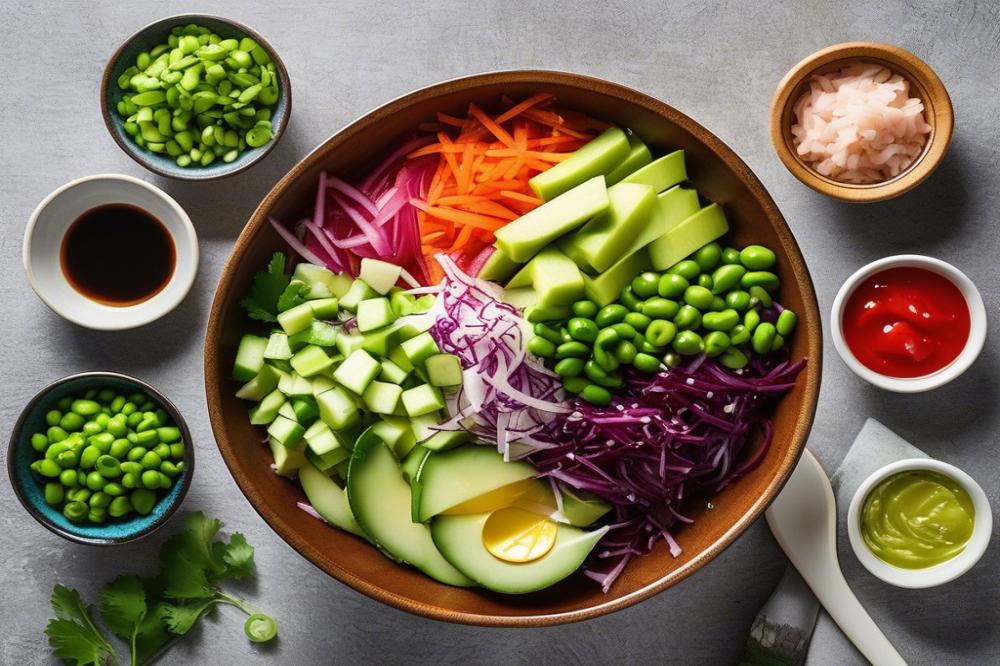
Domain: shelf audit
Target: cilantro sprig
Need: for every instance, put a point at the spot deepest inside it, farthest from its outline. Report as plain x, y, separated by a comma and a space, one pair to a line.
149, 613
266, 290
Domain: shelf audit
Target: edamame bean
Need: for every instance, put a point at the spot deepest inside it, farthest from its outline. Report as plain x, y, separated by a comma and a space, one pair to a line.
716, 342
786, 322
168, 434
575, 384
162, 450
119, 507
177, 450
85, 407
92, 428
660, 308
571, 350
759, 296
611, 314
637, 320
751, 319
646, 363
68, 478
567, 367
71, 421
587, 309
39, 442
54, 494
623, 330
687, 269
763, 279
738, 300
605, 359
708, 257
718, 304
53, 451
75, 511
688, 318
119, 448
142, 500
582, 329
596, 395
733, 359
151, 479
56, 434
549, 333
763, 338
726, 277
150, 460
99, 500
705, 280
671, 360
688, 343
53, 417
672, 285
113, 489
130, 480
136, 453
67, 459
629, 300
757, 257
108, 467
698, 297
730, 255
740, 335
97, 515
720, 321
625, 352
48, 468
538, 346
645, 284
661, 333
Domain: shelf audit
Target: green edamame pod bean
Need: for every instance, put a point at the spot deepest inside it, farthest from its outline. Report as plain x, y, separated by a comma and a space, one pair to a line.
751, 319
644, 285
779, 342
672, 285
68, 478
718, 304
629, 300
105, 396
99, 500
85, 407
596, 395
738, 300
730, 255
39, 442
572, 350
53, 451
687, 269
97, 515
541, 347
786, 322
623, 330
610, 314
671, 360
136, 453
757, 257
119, 507
575, 384
142, 500
117, 426
688, 343
716, 342
720, 321
587, 309
582, 329
549, 333
647, 348
625, 352
131, 466
708, 257
92, 428
65, 403
660, 308
637, 320
594, 372
118, 403
150, 479
646, 363
71, 421
740, 335
75, 511
113, 489
733, 359
67, 459
661, 333
698, 297
605, 359
95, 481
150, 460
56, 434
168, 434
49, 468
705, 280
764, 279
759, 296
763, 338
726, 277
688, 318
108, 467
567, 367
53, 417
564, 334
54, 494
177, 450
162, 450
119, 448
130, 480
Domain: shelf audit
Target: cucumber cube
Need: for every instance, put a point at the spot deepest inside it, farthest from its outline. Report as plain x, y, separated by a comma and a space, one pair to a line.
317, 291
310, 361
424, 303
337, 408
402, 304
396, 434
380, 275
444, 440
392, 373
293, 384
286, 432
324, 449
357, 371
358, 292
287, 461
325, 308
423, 399
382, 397
424, 426
268, 408
399, 357
313, 274
321, 384
287, 412
258, 387
420, 348
348, 342
278, 347
444, 370
374, 313
305, 410
296, 319
323, 334
341, 468
249, 357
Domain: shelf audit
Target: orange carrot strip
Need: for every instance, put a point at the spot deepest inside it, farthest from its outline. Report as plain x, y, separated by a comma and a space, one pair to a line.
524, 198
533, 154
488, 123
459, 216
450, 120
460, 241
518, 109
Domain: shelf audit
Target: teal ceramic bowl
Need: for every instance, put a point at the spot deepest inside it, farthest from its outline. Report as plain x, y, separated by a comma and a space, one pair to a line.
156, 33
29, 490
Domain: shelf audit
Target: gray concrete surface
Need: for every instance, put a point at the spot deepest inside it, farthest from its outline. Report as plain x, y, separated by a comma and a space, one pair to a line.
718, 62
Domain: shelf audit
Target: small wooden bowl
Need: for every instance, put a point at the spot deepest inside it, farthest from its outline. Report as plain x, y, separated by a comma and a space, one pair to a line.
924, 83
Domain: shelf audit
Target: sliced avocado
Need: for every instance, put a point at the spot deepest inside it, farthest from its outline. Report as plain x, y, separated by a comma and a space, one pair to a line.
451, 477
498, 267
605, 239
596, 158
580, 508
555, 278
328, 498
606, 287
459, 539
380, 500
509, 495
662, 173
696, 231
638, 157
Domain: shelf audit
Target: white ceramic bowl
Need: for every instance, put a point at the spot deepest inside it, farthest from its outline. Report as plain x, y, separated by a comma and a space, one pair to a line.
961, 363
43, 244
939, 573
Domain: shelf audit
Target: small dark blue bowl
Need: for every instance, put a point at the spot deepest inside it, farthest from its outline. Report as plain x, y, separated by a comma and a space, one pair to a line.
30, 491
156, 33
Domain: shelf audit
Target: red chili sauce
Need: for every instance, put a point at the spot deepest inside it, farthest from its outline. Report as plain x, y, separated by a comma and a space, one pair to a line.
906, 322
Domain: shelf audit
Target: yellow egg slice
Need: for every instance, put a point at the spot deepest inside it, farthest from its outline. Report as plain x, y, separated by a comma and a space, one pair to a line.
515, 535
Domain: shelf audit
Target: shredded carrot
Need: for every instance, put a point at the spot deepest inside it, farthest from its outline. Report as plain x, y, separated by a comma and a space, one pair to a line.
523, 198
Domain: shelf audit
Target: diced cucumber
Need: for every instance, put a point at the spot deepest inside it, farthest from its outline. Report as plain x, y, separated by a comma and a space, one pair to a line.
661, 174
498, 267
379, 275
424, 426
357, 371
419, 348
374, 313
294, 384
399, 357
311, 360
249, 357
422, 399
287, 460
265, 412
596, 158
348, 342
323, 334
358, 292
396, 433
382, 397
296, 319
317, 291
258, 387
698, 230
392, 373
638, 156
424, 303
325, 308
321, 384
324, 449
444, 370
278, 347
311, 273
337, 408
520, 297
555, 278
305, 410
286, 432
288, 412
444, 440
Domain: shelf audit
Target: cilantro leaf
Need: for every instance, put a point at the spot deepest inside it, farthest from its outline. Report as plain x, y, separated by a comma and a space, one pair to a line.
180, 618
294, 294
123, 606
73, 635
238, 557
267, 288
181, 578
152, 634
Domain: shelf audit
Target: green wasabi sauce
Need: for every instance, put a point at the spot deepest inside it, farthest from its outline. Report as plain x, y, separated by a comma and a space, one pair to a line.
917, 518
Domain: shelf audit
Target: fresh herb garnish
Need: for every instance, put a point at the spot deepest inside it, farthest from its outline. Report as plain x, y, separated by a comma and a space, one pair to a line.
149, 613
267, 288
294, 294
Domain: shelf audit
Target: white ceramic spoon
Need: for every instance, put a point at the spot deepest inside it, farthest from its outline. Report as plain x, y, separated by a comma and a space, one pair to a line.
803, 519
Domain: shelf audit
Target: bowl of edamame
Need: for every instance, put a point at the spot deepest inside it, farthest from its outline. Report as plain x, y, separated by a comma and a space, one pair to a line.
196, 97
100, 458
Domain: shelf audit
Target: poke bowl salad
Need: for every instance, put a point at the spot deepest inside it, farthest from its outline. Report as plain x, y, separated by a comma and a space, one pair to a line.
520, 346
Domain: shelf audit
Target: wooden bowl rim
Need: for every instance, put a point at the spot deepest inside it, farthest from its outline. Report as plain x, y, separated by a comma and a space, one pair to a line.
540, 78
938, 111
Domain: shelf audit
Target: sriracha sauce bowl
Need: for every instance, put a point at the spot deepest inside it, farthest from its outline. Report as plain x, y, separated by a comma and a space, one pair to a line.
908, 323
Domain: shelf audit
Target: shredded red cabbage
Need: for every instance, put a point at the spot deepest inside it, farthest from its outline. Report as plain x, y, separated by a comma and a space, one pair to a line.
671, 436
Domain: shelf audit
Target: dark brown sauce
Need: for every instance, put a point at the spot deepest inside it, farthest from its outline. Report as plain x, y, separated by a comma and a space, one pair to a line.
118, 255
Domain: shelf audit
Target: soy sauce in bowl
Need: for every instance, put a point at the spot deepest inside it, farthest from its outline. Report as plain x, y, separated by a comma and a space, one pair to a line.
118, 255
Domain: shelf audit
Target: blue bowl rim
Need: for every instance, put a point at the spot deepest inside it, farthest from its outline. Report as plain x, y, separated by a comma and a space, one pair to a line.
195, 174
164, 402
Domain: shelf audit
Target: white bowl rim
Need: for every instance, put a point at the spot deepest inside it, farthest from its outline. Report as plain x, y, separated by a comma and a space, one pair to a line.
961, 363
940, 573
188, 245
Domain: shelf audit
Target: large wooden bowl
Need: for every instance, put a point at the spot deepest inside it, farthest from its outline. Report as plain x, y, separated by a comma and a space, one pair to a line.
718, 174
